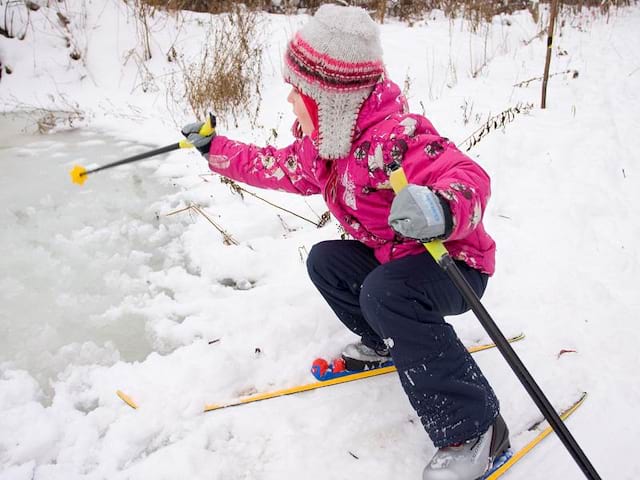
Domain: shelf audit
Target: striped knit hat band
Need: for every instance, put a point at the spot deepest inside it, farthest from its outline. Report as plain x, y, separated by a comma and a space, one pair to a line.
317, 67
336, 59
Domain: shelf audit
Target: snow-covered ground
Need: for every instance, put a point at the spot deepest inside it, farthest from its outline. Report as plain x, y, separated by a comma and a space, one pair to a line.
101, 289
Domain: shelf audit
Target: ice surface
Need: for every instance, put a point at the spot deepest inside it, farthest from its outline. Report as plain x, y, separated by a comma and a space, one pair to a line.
75, 259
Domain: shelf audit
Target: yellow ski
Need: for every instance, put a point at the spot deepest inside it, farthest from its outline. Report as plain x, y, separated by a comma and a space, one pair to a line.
309, 386
502, 469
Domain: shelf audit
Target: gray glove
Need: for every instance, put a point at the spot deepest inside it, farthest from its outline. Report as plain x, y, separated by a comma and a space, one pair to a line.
417, 212
201, 137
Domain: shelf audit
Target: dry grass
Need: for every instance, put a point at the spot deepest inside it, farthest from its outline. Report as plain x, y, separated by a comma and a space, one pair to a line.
410, 11
495, 123
566, 73
14, 19
61, 114
143, 11
236, 188
227, 238
226, 78
216, 6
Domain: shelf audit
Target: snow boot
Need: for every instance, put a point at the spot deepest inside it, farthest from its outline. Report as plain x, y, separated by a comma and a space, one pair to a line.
358, 357
472, 459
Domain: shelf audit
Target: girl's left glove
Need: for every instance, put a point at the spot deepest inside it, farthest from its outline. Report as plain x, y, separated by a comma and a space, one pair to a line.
200, 134
417, 212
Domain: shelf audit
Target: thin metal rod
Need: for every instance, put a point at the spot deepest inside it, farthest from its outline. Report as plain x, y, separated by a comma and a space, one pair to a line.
530, 385
135, 158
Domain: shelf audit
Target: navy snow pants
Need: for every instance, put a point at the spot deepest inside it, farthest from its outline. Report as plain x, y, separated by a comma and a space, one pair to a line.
402, 303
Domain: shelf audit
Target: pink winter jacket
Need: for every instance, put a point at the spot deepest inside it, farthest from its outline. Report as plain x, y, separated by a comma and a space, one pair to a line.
356, 188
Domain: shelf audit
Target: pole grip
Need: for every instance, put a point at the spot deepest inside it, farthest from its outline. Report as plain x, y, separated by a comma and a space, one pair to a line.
208, 128
398, 181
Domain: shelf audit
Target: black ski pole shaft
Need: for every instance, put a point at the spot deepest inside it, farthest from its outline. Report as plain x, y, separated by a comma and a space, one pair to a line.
530, 385
206, 129
440, 254
135, 158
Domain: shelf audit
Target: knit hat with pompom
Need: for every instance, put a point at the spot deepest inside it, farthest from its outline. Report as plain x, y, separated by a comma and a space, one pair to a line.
336, 59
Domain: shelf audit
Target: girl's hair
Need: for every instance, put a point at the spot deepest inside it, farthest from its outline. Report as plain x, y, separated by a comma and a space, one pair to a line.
311, 106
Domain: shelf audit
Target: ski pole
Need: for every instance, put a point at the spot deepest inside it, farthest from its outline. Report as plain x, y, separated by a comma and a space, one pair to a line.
79, 173
439, 252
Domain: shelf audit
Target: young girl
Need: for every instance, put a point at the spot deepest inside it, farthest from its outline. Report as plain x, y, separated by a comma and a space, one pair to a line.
352, 124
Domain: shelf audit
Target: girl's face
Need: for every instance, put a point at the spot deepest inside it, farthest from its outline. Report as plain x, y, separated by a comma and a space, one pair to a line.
300, 111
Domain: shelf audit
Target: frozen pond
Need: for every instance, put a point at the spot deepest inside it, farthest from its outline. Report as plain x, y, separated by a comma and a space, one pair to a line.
73, 259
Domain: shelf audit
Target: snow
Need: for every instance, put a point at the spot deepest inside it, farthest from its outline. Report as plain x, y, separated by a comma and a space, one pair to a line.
111, 286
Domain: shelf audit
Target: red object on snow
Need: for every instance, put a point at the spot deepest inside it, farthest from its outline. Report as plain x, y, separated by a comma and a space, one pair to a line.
339, 365
320, 365
566, 350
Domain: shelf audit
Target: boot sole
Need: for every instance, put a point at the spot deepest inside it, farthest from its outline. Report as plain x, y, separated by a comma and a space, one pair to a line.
355, 365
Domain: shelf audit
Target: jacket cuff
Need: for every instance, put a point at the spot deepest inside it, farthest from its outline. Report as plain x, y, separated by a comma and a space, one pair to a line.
204, 149
448, 218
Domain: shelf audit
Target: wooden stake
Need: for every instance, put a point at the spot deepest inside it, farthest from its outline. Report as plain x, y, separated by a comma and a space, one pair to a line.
547, 63
382, 9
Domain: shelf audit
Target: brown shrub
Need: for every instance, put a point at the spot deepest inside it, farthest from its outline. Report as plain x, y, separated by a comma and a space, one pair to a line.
226, 79
410, 11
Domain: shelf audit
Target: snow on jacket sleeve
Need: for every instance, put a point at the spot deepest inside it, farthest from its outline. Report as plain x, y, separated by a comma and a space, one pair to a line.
435, 162
289, 169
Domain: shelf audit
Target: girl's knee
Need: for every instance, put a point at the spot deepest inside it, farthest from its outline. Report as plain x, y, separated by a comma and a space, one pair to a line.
327, 260
318, 257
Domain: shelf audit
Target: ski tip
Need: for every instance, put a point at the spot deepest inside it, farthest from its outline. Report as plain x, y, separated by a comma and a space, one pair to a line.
127, 399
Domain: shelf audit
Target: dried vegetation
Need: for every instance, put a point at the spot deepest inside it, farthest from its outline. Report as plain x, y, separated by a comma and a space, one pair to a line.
227, 76
476, 11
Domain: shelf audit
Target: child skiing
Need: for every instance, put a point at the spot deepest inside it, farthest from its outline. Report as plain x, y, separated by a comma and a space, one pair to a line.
352, 125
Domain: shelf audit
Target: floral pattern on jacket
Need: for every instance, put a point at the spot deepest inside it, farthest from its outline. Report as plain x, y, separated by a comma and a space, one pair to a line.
356, 187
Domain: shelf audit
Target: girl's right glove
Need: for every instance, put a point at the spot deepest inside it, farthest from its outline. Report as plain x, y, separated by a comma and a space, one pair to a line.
417, 212
200, 134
